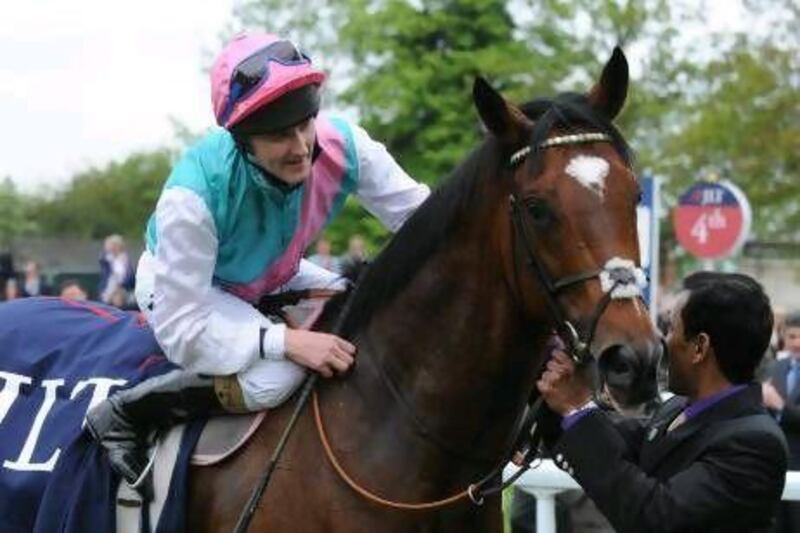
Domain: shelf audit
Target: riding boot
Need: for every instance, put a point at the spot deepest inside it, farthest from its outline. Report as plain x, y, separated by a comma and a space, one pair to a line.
123, 422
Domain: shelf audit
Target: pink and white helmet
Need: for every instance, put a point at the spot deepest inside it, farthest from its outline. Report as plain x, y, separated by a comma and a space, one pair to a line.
255, 69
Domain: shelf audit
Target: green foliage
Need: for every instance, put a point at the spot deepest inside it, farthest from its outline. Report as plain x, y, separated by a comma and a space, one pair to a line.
117, 198
747, 127
16, 219
414, 66
355, 220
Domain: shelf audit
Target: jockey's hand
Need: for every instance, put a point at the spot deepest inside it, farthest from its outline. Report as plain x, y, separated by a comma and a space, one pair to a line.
562, 386
321, 352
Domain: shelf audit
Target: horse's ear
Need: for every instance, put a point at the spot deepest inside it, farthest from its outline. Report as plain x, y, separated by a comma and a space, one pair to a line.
503, 119
609, 94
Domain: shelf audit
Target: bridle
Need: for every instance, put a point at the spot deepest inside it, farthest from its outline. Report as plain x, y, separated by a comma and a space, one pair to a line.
619, 278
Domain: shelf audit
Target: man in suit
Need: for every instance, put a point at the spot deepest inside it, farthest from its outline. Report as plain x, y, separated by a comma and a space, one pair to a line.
782, 398
711, 458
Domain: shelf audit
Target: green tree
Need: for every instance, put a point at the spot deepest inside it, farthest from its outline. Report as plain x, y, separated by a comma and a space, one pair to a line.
15, 219
117, 198
412, 68
747, 128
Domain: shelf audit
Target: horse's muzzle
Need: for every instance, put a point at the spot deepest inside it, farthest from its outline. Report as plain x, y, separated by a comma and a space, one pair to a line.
630, 373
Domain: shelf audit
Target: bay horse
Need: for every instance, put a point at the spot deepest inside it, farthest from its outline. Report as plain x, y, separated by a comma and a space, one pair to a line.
450, 323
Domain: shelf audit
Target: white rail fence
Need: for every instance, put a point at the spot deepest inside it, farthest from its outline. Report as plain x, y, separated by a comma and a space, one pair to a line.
547, 481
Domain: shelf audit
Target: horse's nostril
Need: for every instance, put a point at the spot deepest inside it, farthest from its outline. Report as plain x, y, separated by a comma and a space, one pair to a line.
629, 374
618, 366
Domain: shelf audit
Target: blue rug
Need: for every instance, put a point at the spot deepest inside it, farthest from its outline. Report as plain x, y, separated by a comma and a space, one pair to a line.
56, 358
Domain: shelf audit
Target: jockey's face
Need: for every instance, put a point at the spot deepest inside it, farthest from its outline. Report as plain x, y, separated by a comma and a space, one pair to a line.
286, 153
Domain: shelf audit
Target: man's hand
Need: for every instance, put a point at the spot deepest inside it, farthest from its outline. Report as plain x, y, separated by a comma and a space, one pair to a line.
321, 352
772, 398
562, 388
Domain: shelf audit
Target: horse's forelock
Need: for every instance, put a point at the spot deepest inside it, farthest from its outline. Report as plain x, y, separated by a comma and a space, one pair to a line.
570, 112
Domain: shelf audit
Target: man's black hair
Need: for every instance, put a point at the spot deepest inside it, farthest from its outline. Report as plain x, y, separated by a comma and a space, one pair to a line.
735, 313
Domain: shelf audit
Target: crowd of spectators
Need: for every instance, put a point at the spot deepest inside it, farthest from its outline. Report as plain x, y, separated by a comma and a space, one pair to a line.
355, 255
116, 273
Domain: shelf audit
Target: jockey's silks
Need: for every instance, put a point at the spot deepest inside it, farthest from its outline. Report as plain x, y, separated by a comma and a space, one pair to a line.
263, 230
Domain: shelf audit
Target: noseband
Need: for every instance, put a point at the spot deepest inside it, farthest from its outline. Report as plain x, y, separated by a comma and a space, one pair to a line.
619, 278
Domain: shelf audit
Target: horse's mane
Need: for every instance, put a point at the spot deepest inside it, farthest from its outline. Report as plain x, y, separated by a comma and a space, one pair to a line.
417, 240
434, 221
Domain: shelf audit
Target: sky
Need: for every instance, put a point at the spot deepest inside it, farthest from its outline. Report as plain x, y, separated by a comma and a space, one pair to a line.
85, 82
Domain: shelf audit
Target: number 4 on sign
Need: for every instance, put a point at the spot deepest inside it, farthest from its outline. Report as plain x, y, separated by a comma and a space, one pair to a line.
700, 229
706, 222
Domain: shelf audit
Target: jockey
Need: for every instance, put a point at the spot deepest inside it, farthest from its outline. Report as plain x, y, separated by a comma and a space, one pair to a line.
231, 225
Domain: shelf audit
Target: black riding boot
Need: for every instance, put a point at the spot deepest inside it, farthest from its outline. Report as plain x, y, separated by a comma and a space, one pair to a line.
122, 423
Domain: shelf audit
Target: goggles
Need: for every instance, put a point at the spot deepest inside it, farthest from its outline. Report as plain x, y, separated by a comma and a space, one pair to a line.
253, 71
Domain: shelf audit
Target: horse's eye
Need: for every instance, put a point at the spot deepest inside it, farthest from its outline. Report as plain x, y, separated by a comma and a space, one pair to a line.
540, 212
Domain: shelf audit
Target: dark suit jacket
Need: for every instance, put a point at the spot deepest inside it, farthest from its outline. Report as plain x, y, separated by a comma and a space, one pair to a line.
722, 470
789, 418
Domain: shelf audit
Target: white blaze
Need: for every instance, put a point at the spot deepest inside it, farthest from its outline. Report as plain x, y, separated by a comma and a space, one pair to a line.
590, 171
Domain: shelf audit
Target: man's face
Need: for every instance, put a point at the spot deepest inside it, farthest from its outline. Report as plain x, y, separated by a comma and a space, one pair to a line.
680, 351
286, 154
791, 340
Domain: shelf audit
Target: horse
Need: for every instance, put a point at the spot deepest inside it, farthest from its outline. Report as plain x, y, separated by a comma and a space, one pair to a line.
450, 321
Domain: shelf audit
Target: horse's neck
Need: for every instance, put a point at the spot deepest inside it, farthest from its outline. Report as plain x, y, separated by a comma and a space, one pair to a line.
451, 344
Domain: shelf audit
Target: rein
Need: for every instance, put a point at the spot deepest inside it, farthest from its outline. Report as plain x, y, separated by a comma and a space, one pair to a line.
269, 304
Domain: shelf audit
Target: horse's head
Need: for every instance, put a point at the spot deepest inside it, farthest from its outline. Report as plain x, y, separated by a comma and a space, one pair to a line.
572, 250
